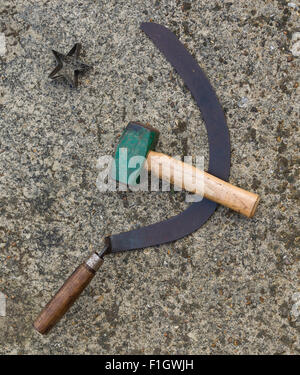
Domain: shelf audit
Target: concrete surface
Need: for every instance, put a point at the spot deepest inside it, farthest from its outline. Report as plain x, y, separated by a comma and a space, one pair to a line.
229, 288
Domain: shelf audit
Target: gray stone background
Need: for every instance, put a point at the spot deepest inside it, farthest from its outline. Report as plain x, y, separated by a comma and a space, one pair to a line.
233, 286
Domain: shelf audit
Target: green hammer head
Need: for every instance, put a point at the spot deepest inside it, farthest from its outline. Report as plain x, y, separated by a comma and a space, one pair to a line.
135, 143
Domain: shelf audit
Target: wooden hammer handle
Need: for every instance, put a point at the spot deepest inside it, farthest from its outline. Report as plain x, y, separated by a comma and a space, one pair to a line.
67, 294
199, 182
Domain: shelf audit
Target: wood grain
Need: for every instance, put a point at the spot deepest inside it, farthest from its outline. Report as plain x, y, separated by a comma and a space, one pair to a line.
202, 183
64, 298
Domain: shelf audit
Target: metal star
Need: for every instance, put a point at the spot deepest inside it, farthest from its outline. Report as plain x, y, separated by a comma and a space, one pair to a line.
69, 66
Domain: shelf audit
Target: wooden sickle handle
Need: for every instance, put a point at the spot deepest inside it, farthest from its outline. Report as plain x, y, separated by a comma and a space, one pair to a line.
67, 294
197, 181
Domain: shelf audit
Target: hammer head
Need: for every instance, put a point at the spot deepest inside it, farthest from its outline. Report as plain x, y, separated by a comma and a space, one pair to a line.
135, 143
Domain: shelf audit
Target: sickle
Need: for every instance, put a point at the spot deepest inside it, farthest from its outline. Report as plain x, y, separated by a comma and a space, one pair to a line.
219, 147
177, 226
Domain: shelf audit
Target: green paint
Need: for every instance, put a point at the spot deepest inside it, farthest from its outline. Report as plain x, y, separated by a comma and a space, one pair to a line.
135, 143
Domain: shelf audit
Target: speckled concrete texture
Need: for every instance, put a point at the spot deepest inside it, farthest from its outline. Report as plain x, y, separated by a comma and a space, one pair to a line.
232, 287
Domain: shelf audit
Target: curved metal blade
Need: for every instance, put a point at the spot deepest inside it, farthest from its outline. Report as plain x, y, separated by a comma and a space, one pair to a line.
219, 147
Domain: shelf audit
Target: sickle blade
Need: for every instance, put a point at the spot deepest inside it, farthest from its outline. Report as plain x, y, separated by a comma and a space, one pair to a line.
219, 147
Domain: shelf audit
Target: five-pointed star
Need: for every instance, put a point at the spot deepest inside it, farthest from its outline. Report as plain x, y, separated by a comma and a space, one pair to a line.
69, 66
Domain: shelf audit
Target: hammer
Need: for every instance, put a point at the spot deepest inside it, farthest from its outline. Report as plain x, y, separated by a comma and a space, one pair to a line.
139, 140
